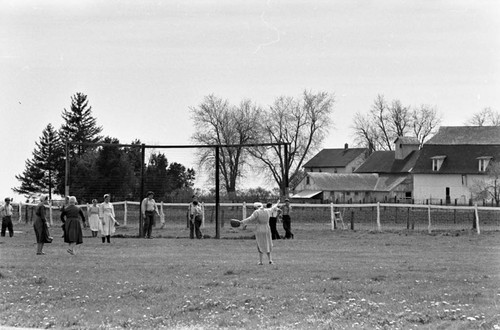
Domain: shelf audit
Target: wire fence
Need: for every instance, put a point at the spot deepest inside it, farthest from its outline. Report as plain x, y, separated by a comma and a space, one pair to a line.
359, 217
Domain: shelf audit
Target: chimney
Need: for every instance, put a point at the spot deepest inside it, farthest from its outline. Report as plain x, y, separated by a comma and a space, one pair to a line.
346, 146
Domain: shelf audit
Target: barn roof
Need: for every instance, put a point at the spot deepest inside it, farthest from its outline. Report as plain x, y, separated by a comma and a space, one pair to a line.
466, 135
334, 157
354, 181
385, 162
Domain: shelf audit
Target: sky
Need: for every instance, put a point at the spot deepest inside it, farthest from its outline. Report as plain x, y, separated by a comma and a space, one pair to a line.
144, 64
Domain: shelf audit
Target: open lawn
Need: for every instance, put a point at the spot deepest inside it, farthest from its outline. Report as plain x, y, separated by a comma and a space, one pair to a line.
320, 280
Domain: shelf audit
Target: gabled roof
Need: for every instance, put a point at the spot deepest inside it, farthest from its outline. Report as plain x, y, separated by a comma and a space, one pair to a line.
385, 162
407, 140
460, 159
466, 135
334, 157
354, 182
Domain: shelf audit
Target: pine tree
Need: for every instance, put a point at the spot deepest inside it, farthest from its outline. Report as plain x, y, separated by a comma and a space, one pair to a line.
42, 172
79, 124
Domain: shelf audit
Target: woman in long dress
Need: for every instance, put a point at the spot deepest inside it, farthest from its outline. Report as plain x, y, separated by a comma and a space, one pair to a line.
107, 215
41, 226
262, 231
95, 223
72, 227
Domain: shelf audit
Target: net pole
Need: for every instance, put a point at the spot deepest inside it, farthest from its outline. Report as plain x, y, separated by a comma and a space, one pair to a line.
66, 172
217, 196
143, 158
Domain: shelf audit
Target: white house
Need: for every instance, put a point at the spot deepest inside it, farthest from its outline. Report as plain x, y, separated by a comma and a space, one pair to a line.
453, 161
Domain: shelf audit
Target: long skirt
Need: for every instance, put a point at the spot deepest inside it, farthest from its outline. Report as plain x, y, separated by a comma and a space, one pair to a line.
41, 232
264, 240
95, 223
73, 231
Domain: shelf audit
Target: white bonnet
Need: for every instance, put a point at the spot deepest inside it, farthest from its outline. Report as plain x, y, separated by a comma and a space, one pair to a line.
257, 205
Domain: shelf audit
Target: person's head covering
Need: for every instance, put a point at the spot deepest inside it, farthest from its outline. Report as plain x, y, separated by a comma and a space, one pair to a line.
257, 205
287, 200
150, 193
72, 200
268, 205
106, 195
94, 201
7, 199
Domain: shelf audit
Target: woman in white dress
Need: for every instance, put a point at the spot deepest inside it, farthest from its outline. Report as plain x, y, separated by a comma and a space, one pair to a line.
262, 231
95, 223
107, 216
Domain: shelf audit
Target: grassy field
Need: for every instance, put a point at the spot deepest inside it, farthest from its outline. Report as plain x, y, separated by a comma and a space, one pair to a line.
320, 280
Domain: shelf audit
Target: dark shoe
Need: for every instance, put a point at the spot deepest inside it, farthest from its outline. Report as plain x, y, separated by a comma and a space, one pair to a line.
40, 253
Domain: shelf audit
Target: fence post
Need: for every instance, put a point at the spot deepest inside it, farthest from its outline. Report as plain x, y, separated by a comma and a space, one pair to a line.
244, 214
50, 213
476, 213
332, 216
429, 216
379, 226
202, 214
408, 220
125, 213
352, 219
20, 211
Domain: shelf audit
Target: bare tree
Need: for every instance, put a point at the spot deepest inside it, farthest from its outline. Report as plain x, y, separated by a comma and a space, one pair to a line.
489, 187
303, 124
425, 121
379, 128
486, 117
218, 123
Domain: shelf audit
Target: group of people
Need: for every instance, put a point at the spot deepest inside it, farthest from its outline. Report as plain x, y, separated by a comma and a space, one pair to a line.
274, 214
265, 230
101, 219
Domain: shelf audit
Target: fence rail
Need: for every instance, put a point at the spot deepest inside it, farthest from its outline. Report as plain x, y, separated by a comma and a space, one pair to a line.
373, 216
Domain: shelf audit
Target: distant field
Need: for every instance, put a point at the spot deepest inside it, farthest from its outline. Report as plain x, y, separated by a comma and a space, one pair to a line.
323, 279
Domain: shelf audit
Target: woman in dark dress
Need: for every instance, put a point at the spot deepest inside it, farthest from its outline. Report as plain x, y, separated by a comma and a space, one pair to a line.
41, 226
72, 228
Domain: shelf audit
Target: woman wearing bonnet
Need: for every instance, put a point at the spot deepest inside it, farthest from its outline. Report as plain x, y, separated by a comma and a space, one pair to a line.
262, 231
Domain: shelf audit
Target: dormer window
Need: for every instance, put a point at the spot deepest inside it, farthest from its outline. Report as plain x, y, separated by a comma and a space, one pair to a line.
437, 162
483, 163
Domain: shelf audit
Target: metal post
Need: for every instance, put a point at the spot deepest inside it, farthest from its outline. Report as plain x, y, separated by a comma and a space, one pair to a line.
217, 196
66, 173
285, 179
141, 197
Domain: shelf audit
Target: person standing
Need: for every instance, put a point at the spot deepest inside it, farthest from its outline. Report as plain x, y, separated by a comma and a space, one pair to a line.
149, 208
6, 212
41, 226
287, 222
195, 218
107, 216
262, 231
95, 223
273, 219
72, 227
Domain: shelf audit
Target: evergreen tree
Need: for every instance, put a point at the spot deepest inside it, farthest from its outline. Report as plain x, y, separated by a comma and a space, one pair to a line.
79, 124
42, 172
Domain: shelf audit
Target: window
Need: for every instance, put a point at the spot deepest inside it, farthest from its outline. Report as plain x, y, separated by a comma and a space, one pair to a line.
437, 162
483, 163
308, 180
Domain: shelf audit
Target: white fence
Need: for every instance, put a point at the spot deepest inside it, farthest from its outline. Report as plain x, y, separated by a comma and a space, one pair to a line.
334, 211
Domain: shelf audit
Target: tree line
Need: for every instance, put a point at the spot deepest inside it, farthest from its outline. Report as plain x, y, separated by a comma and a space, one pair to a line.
301, 122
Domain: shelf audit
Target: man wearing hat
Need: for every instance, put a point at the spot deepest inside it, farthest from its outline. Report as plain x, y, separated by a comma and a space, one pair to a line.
6, 214
148, 209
